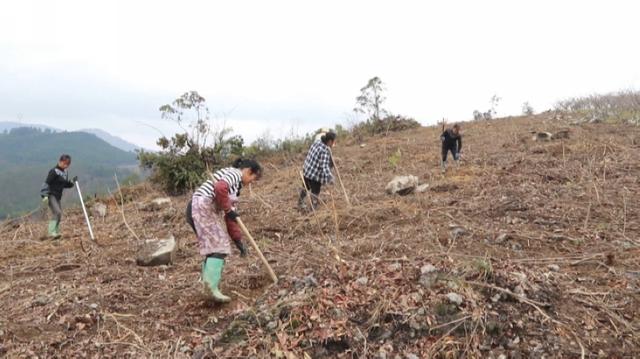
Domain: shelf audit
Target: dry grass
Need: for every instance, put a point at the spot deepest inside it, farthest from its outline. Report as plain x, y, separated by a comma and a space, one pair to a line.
525, 207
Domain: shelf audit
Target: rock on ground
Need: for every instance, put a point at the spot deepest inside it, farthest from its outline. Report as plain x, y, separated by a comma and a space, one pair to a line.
157, 252
422, 188
157, 204
99, 210
542, 136
402, 185
455, 298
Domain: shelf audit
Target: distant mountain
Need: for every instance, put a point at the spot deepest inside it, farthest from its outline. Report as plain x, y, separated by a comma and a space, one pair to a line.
112, 140
8, 125
27, 154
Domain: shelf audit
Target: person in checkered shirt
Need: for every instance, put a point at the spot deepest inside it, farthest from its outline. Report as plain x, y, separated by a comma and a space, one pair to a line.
317, 169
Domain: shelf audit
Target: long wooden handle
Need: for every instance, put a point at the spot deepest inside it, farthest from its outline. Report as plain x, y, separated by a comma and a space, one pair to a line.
344, 191
272, 274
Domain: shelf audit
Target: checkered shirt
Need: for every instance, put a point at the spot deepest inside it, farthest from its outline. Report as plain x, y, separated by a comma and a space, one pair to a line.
317, 165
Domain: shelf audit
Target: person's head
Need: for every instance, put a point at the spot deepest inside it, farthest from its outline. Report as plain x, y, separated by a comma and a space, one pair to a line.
329, 138
64, 162
251, 170
456, 128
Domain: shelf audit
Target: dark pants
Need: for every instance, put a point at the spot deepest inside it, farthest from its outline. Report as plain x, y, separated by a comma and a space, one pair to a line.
56, 209
445, 152
313, 187
189, 215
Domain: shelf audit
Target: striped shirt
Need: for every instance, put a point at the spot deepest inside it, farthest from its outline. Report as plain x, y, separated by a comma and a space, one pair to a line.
233, 177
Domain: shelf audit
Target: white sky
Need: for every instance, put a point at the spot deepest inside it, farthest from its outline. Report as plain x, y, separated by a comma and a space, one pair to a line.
280, 65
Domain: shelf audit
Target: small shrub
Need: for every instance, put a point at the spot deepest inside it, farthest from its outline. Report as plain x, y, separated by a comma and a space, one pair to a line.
621, 106
391, 123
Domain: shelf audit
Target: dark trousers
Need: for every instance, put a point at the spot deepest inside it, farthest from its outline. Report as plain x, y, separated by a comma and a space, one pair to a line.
56, 209
445, 152
189, 217
313, 187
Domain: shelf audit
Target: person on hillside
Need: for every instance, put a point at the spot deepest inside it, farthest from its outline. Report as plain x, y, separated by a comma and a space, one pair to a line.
317, 169
212, 215
451, 142
57, 180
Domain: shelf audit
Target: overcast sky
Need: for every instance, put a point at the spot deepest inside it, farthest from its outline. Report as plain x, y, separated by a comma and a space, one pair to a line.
283, 65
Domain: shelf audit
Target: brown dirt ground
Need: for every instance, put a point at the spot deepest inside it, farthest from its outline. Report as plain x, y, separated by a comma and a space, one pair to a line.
539, 239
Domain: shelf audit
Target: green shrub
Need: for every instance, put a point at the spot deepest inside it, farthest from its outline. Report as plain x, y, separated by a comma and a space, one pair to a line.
387, 124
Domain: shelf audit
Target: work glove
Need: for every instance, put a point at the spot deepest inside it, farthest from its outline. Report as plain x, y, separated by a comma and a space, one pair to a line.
74, 179
241, 247
45, 200
232, 215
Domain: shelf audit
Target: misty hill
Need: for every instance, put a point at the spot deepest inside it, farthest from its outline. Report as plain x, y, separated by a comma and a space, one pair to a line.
114, 141
8, 125
27, 154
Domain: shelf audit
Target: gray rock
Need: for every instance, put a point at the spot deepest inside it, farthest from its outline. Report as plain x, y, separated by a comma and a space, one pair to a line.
542, 136
428, 280
99, 210
412, 356
457, 232
503, 238
307, 281
402, 185
161, 201
394, 267
554, 267
157, 204
422, 188
516, 247
455, 298
157, 252
362, 281
272, 325
93, 306
427, 268
40, 301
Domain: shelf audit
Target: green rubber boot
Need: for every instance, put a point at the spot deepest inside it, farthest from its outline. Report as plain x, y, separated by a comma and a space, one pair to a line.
53, 229
57, 231
211, 275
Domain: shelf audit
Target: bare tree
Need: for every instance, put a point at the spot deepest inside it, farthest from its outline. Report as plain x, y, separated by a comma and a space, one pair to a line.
527, 109
371, 98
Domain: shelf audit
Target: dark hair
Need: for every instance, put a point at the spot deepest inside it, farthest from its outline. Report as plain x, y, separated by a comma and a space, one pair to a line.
456, 125
329, 136
252, 164
65, 158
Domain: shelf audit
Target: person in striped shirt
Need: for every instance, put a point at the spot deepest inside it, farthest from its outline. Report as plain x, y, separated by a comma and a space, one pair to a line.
317, 169
212, 215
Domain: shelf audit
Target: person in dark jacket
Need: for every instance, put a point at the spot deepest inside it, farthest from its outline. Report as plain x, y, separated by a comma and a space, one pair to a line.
317, 169
451, 142
57, 180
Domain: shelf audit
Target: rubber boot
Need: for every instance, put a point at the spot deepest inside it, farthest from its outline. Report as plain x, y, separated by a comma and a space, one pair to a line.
443, 164
211, 275
53, 230
57, 231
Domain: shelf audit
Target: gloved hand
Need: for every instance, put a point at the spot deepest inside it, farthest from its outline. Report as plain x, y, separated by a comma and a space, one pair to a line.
240, 245
45, 200
74, 179
232, 215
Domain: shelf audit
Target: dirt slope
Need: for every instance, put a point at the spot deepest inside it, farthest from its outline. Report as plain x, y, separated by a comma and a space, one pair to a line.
529, 250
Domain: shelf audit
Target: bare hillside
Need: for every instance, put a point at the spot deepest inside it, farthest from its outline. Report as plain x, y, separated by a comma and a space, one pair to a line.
528, 250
